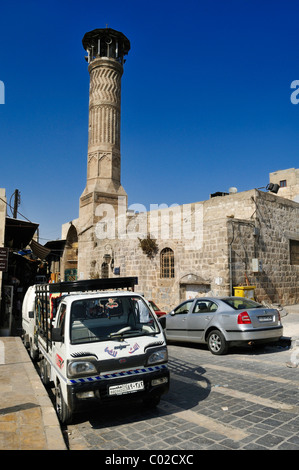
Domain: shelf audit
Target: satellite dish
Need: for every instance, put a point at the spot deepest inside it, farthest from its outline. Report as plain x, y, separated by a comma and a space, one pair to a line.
232, 190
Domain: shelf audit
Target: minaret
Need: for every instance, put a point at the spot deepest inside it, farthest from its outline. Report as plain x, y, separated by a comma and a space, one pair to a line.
106, 49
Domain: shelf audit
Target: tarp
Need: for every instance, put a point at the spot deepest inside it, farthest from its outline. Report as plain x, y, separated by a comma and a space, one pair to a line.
39, 250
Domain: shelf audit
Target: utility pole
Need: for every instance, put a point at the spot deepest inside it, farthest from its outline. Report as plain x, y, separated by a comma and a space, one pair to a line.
16, 203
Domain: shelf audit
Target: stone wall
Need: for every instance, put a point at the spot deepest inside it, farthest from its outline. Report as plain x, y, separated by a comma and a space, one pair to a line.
278, 222
197, 234
214, 244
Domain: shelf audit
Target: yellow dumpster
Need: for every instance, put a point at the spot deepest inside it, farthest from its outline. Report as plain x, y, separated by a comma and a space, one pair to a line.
245, 291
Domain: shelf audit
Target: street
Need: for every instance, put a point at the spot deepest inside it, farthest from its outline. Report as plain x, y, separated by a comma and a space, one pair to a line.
247, 399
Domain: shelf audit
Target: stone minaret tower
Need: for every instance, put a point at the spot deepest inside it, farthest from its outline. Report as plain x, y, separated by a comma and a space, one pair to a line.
106, 49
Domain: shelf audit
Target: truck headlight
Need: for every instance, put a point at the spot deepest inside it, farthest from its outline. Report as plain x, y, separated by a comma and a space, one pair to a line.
157, 357
81, 368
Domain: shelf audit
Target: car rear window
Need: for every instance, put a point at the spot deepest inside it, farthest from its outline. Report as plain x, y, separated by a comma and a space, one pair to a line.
240, 303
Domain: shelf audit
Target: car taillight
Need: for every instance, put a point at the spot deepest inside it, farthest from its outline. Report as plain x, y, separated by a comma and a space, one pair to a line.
279, 318
243, 318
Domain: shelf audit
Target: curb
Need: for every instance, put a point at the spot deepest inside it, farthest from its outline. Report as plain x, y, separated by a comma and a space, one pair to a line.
49, 420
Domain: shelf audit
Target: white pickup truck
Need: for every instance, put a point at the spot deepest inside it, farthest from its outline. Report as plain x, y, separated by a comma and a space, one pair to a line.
102, 345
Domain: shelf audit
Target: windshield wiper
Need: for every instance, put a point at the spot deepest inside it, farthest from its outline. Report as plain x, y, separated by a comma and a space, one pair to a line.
123, 331
130, 331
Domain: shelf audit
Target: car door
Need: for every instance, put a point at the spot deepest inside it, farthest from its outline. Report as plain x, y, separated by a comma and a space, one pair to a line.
199, 318
59, 346
176, 325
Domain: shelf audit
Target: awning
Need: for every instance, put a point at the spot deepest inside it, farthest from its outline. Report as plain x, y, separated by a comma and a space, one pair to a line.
56, 247
39, 250
18, 233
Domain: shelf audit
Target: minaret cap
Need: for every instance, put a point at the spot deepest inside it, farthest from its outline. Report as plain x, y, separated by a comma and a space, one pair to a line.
106, 42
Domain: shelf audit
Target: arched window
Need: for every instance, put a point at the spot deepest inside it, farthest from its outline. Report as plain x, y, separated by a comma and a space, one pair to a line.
167, 263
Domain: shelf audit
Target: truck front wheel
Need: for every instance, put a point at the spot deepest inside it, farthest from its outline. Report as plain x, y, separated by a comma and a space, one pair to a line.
63, 412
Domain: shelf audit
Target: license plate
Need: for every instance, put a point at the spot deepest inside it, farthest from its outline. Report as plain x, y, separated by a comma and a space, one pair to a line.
126, 388
266, 318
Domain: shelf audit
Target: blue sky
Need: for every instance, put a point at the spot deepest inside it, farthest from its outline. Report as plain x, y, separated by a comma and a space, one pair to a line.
205, 99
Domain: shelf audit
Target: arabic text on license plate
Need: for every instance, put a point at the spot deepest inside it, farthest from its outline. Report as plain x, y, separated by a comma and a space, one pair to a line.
268, 318
126, 388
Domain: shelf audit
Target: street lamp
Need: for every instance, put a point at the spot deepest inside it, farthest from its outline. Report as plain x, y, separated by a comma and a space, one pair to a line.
272, 187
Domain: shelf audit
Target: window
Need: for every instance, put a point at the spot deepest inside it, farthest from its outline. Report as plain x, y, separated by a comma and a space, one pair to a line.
283, 183
205, 306
294, 252
240, 304
61, 318
105, 318
184, 307
167, 263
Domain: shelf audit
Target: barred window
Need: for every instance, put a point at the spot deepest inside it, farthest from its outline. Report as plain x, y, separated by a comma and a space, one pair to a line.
167, 263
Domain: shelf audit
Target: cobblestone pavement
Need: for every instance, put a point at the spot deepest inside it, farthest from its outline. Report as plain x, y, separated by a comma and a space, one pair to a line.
247, 399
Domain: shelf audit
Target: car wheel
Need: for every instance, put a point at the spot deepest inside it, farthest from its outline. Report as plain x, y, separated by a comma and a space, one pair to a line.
63, 412
217, 344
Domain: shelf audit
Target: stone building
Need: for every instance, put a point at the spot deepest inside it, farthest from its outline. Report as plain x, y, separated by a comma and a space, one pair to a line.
177, 252
288, 181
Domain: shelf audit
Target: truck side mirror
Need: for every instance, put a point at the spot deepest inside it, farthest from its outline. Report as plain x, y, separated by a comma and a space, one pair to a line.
31, 314
56, 335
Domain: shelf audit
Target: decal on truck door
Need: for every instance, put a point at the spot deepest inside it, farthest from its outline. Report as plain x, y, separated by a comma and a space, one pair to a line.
59, 361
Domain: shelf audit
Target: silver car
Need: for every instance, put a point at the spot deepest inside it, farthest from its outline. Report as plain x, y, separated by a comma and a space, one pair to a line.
222, 322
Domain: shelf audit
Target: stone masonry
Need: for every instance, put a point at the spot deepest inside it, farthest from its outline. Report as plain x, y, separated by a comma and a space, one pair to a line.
213, 250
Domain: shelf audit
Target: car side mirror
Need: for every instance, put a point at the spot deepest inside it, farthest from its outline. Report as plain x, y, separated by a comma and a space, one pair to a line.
172, 312
56, 335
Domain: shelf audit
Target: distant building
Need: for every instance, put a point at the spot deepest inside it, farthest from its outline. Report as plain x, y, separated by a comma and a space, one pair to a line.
207, 247
288, 181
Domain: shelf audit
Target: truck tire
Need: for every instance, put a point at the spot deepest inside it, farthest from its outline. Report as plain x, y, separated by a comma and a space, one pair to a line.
44, 373
63, 412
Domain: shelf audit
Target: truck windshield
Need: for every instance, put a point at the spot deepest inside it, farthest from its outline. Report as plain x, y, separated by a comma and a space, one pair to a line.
113, 317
